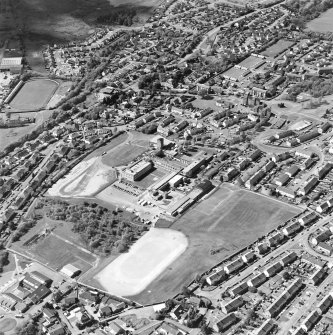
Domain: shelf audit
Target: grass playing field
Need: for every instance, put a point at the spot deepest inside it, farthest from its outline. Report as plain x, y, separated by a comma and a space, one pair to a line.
277, 48
126, 151
229, 220
34, 95
55, 250
123, 155
56, 253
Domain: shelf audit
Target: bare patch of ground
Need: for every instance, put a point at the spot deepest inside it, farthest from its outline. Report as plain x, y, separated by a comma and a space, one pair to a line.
86, 179
130, 273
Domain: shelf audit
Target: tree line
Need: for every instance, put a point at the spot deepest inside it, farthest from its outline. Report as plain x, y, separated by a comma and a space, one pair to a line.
119, 15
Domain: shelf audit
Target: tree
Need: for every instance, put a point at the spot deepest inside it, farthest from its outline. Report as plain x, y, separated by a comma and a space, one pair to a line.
286, 275
205, 329
57, 295
253, 289
186, 291
3, 259
29, 328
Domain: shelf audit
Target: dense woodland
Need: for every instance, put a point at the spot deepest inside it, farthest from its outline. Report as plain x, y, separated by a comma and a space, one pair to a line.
119, 15
3, 258
102, 230
317, 87
308, 10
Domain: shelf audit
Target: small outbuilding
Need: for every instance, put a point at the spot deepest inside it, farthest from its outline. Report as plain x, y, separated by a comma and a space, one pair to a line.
70, 270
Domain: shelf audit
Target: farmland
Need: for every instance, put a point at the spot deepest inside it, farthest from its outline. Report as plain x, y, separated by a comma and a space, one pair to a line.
227, 221
34, 95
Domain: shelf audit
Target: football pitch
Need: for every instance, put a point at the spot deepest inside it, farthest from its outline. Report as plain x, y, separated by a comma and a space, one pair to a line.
230, 219
34, 95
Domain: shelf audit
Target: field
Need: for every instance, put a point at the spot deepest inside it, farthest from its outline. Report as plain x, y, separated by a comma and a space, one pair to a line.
131, 272
110, 146
277, 48
34, 95
65, 20
251, 62
56, 252
11, 135
7, 324
135, 145
323, 23
59, 94
228, 220
57, 248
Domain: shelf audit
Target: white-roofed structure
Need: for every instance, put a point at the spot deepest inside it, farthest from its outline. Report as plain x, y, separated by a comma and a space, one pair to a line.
12, 64
70, 270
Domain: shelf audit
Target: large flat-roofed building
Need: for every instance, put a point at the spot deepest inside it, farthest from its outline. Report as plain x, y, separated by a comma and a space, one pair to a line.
137, 170
12, 64
190, 170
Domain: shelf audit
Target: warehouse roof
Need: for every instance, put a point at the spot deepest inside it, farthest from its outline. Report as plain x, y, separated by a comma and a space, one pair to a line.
12, 61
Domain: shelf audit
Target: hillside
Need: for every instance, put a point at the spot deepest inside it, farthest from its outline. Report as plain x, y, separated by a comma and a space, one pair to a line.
68, 19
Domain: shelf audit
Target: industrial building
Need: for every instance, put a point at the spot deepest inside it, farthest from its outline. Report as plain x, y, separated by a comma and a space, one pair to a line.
137, 170
12, 64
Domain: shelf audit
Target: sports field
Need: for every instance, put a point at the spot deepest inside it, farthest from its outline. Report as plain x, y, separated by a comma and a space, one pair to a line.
131, 273
126, 150
56, 251
277, 48
34, 95
228, 220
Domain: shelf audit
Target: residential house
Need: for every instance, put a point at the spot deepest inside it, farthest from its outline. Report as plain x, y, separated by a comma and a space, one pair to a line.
225, 322
257, 280
310, 321
234, 266
232, 305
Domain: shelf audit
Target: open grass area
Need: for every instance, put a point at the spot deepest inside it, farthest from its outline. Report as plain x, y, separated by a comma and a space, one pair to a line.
135, 145
228, 220
65, 20
10, 266
323, 23
34, 94
7, 324
11, 135
123, 155
54, 249
56, 252
109, 146
277, 48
